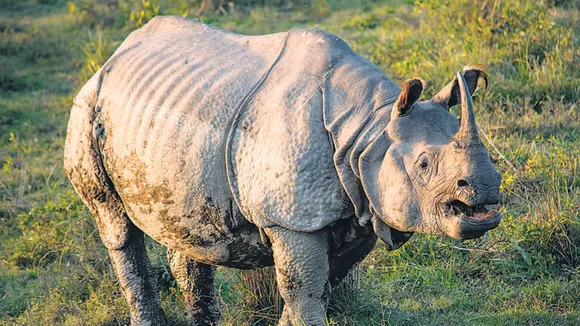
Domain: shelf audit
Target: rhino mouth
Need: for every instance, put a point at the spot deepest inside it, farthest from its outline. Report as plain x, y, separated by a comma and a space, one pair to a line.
473, 221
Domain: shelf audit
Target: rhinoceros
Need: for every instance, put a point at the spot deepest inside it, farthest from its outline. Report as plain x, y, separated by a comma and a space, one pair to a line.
286, 149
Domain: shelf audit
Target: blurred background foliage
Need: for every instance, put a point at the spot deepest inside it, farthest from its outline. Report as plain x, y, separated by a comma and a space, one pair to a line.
55, 270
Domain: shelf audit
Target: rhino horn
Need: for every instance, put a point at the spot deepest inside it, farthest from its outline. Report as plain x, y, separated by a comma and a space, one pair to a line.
467, 135
410, 93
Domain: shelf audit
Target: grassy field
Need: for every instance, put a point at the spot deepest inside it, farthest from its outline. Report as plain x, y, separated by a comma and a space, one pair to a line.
55, 271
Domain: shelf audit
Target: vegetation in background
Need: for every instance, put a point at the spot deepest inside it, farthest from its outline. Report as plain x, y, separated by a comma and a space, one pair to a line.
55, 270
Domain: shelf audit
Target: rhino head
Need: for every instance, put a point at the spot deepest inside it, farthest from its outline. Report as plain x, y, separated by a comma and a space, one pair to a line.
435, 176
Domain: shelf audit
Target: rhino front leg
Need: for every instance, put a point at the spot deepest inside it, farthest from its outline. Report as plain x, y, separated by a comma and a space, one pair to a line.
195, 281
301, 262
343, 260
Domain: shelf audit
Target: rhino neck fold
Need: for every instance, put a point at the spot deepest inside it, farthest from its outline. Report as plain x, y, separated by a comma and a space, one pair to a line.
357, 107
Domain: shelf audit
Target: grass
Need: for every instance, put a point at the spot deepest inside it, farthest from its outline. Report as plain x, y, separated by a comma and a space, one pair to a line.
55, 270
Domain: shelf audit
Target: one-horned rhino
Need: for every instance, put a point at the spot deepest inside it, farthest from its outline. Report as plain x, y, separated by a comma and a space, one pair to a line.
248, 151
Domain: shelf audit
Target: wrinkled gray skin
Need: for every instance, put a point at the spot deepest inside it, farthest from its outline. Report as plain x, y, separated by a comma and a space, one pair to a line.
285, 149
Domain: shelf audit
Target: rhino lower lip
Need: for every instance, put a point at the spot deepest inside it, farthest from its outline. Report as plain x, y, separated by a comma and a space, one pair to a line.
477, 215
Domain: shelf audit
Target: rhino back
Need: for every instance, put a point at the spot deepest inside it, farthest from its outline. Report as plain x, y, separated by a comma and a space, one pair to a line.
165, 103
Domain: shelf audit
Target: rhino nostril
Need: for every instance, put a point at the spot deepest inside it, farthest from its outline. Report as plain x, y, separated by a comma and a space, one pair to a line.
462, 183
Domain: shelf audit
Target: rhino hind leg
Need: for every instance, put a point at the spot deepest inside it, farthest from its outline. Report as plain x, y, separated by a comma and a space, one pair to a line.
126, 246
122, 238
195, 280
137, 280
301, 263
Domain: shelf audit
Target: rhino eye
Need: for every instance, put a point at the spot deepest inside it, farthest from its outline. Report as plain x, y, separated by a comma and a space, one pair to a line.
423, 162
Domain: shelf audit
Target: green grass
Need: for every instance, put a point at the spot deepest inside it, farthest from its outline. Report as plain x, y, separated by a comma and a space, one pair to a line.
55, 270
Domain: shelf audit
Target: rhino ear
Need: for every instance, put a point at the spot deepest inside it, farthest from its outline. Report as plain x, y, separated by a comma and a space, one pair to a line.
450, 95
410, 93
